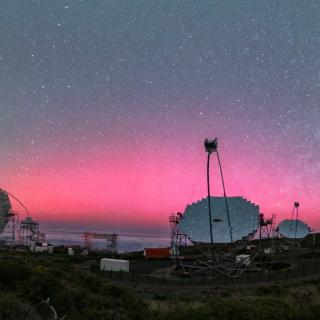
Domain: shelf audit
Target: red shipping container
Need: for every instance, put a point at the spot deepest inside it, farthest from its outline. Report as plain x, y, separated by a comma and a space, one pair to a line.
156, 253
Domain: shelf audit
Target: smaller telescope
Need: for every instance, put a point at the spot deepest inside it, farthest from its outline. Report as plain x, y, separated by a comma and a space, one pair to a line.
296, 204
211, 145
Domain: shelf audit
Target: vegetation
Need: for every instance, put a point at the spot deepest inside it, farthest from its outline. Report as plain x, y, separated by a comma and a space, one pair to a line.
30, 284
26, 285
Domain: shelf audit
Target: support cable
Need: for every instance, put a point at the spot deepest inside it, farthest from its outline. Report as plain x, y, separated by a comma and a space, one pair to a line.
296, 226
225, 197
292, 216
209, 200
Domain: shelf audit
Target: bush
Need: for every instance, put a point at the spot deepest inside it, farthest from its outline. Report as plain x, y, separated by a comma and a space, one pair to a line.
89, 281
270, 290
12, 308
40, 286
225, 309
11, 272
309, 313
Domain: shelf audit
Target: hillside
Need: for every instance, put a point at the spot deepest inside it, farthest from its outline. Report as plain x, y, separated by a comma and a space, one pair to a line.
28, 280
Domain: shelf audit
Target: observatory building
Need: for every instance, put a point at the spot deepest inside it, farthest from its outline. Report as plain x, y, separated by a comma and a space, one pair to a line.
5, 207
293, 229
244, 220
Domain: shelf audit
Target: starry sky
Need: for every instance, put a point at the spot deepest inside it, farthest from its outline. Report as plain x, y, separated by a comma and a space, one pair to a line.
105, 105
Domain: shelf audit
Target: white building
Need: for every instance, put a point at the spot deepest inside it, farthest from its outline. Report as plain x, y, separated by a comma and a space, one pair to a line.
107, 264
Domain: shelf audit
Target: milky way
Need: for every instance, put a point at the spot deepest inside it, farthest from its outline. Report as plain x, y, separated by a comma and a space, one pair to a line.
105, 106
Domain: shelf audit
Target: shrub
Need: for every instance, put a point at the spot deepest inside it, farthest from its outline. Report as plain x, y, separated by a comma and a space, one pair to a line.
12, 308
271, 290
11, 272
40, 286
89, 281
309, 313
225, 309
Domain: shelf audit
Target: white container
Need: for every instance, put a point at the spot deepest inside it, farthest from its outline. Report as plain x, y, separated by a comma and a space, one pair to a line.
243, 259
50, 249
38, 249
114, 265
70, 252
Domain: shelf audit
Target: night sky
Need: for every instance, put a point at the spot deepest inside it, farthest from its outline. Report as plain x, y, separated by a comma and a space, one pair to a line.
105, 106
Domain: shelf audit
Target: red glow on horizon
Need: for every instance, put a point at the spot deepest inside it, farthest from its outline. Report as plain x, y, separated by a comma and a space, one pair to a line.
142, 189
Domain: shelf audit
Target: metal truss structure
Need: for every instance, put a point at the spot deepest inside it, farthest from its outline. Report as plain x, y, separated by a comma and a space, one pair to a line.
10, 232
30, 233
177, 238
111, 240
212, 259
267, 227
